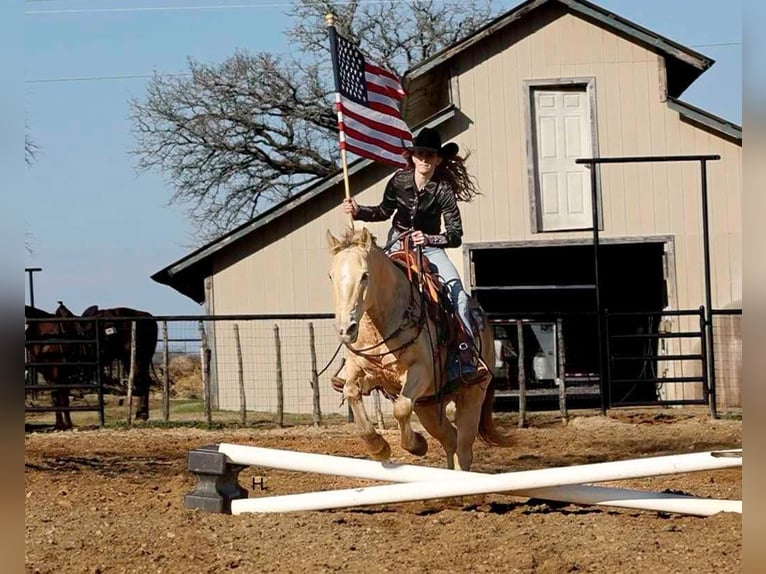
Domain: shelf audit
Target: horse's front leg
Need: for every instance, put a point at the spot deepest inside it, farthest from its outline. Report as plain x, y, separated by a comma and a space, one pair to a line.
468, 405
377, 446
414, 387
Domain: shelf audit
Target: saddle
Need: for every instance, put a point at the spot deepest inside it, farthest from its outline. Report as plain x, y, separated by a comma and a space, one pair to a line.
451, 334
450, 330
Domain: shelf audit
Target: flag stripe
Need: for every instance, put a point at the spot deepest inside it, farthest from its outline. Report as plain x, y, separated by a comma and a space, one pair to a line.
390, 144
397, 139
377, 120
374, 153
385, 76
382, 99
380, 84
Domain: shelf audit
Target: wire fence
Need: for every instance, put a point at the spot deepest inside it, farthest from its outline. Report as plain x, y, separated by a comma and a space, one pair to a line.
279, 369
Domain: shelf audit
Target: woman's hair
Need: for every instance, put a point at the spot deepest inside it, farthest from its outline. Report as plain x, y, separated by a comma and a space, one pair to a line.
452, 169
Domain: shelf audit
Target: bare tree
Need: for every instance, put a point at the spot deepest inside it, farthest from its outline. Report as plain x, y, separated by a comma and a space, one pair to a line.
30, 154
235, 137
30, 149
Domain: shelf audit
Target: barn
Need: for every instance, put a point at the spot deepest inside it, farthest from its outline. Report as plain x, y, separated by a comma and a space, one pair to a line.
542, 85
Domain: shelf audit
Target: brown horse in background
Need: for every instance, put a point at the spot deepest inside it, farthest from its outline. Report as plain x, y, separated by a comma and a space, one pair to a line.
392, 346
114, 338
41, 335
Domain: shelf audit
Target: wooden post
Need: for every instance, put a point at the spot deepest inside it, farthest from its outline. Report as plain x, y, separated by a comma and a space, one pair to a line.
280, 389
561, 378
378, 409
317, 411
240, 377
330, 20
166, 374
522, 376
132, 374
205, 382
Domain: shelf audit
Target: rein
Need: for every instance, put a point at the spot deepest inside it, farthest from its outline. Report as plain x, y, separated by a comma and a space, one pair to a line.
364, 353
406, 323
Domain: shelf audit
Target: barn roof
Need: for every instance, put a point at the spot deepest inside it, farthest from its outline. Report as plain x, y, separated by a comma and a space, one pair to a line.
683, 65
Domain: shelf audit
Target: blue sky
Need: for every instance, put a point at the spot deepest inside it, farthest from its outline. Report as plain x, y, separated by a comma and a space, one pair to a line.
98, 228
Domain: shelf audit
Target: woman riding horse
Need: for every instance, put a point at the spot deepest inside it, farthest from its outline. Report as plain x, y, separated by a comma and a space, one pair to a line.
392, 344
419, 198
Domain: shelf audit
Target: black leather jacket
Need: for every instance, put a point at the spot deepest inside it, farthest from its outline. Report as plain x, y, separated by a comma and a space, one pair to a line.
420, 211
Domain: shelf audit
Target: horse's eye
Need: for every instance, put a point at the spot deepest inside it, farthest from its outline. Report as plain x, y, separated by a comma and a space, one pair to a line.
365, 276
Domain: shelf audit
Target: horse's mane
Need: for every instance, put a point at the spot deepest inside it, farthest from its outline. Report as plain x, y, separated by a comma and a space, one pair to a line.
355, 238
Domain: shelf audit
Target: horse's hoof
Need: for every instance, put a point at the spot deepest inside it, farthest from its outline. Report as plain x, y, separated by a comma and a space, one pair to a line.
421, 445
337, 383
383, 454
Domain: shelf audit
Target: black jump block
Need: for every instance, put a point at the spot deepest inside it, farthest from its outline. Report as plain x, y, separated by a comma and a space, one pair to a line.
217, 480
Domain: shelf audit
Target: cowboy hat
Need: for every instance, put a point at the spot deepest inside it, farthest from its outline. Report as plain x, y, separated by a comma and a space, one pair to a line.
429, 139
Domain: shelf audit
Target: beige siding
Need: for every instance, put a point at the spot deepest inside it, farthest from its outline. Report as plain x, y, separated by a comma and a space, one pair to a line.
638, 199
283, 269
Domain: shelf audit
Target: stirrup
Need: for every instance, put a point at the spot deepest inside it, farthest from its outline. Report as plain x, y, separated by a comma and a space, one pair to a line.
479, 375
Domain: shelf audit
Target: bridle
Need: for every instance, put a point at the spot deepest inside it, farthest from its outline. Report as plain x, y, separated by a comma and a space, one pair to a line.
406, 322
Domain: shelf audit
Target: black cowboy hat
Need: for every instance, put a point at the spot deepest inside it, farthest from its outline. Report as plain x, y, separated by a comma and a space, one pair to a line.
429, 139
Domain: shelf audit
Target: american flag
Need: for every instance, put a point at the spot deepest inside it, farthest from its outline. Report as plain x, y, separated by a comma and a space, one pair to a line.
367, 102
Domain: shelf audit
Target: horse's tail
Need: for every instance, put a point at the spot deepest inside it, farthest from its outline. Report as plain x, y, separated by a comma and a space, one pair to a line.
154, 373
487, 429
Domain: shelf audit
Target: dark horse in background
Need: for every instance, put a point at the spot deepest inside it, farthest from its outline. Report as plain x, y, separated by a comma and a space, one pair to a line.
46, 332
114, 338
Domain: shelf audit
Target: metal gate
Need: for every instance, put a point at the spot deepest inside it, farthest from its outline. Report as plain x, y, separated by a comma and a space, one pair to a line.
83, 371
621, 351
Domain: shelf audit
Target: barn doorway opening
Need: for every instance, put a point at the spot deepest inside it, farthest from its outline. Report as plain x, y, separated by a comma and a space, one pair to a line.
541, 283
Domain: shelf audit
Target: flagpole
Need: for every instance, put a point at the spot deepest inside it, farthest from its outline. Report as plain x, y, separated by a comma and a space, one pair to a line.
330, 19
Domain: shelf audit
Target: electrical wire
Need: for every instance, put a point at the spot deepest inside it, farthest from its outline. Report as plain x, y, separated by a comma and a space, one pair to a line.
203, 7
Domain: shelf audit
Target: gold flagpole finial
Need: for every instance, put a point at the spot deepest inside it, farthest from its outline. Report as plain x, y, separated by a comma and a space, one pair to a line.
330, 19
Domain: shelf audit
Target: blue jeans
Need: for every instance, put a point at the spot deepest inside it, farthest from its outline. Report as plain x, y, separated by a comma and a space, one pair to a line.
450, 277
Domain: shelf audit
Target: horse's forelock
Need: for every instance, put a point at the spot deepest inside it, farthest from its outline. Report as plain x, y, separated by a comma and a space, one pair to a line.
355, 238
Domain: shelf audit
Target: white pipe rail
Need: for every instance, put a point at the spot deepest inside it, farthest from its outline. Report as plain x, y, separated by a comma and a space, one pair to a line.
562, 484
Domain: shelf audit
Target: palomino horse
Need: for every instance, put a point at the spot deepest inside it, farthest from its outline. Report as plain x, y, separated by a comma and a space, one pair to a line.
390, 345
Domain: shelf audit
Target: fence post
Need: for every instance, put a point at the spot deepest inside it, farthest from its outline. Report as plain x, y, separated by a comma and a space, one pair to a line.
317, 410
166, 377
280, 389
240, 377
561, 379
522, 376
132, 374
204, 366
378, 409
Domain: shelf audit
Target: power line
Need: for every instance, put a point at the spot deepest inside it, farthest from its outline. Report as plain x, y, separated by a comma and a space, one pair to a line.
100, 78
182, 74
154, 8
716, 44
181, 8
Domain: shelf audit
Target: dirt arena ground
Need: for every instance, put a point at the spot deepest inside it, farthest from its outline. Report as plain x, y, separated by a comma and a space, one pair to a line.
111, 501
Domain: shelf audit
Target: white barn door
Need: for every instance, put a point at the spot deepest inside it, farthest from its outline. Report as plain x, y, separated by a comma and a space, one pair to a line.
562, 121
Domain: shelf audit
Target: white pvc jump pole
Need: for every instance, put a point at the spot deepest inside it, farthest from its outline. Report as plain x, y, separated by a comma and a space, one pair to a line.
566, 492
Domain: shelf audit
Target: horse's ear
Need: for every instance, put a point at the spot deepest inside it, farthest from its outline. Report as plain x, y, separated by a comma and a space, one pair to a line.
366, 239
333, 243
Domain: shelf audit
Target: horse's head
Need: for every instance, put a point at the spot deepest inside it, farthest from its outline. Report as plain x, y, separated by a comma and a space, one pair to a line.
350, 276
